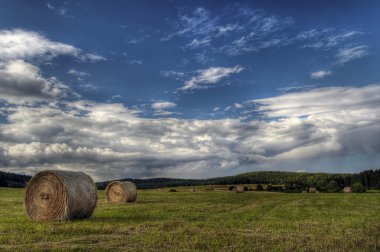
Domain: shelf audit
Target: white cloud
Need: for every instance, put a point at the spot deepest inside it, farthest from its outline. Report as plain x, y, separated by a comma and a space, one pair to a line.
208, 76
22, 44
195, 43
62, 11
320, 100
88, 86
109, 141
325, 38
238, 106
135, 62
78, 73
254, 29
163, 105
238, 29
173, 74
92, 57
21, 82
116, 97
351, 53
296, 88
320, 74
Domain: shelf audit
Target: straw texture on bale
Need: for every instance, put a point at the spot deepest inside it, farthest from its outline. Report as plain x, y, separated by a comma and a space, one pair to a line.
60, 195
239, 189
121, 192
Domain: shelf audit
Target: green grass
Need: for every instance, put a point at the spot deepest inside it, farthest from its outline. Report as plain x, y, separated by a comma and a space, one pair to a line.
207, 221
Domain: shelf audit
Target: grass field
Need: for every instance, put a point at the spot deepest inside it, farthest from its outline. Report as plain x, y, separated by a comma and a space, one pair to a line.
208, 221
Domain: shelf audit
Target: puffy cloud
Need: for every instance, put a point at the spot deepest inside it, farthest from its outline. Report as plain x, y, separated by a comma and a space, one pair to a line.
210, 75
320, 74
110, 141
21, 82
22, 44
238, 105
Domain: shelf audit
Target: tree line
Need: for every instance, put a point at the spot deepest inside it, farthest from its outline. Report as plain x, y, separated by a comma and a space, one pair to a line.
13, 180
276, 181
287, 181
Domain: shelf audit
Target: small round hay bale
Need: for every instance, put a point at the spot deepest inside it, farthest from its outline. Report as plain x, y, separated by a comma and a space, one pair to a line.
121, 192
347, 189
60, 195
239, 189
313, 190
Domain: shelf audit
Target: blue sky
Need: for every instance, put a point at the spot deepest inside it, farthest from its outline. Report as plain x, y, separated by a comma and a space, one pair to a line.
189, 88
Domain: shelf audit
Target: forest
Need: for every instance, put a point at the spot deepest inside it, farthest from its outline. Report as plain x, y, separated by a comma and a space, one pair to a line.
288, 181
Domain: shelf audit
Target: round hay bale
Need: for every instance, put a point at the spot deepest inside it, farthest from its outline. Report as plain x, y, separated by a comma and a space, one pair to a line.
239, 189
121, 192
60, 195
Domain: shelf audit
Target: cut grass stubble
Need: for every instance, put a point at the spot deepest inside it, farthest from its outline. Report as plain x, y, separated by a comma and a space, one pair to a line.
209, 221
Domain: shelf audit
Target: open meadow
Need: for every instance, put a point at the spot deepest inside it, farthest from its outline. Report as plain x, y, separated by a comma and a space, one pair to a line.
203, 221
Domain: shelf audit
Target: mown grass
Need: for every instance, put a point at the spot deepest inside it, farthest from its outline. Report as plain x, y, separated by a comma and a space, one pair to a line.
203, 221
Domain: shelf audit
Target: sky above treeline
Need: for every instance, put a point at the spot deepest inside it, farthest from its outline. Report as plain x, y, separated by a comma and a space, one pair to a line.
189, 89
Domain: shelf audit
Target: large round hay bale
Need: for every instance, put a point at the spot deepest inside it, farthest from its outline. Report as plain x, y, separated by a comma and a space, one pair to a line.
121, 192
60, 195
239, 189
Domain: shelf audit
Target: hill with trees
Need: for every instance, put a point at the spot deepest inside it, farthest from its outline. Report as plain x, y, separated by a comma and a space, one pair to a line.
289, 181
13, 180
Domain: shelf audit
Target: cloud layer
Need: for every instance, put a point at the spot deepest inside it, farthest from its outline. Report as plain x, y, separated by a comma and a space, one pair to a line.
110, 141
40, 128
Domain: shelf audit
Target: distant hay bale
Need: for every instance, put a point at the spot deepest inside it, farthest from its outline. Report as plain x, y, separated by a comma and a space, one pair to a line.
347, 189
192, 190
239, 189
121, 192
60, 195
313, 190
221, 188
